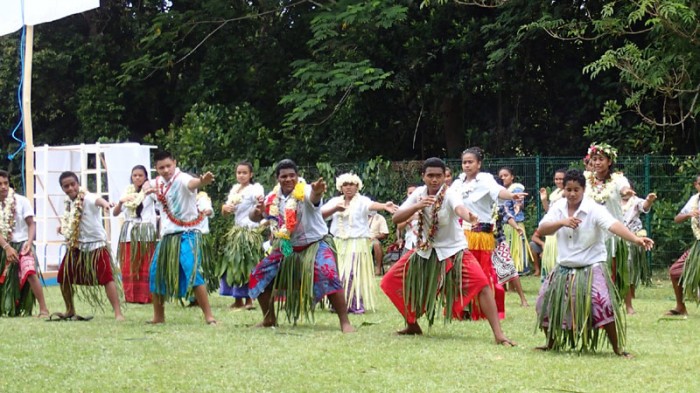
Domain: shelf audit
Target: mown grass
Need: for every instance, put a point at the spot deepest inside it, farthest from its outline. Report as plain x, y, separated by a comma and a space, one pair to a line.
186, 355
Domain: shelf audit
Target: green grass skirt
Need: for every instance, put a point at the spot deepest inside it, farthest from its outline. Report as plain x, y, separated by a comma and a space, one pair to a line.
618, 248
690, 279
15, 301
639, 269
242, 251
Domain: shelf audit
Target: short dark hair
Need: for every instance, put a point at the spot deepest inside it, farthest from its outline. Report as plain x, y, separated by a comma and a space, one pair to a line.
476, 151
509, 169
66, 175
561, 170
575, 175
433, 162
4, 174
285, 164
250, 168
161, 155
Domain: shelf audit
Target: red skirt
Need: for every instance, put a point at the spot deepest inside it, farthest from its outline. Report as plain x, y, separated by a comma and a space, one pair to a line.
484, 258
73, 267
135, 284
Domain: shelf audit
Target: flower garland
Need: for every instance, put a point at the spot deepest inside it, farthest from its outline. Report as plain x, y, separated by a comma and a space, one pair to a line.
604, 149
601, 192
430, 238
348, 178
285, 224
347, 213
161, 193
7, 220
70, 220
695, 221
234, 196
133, 204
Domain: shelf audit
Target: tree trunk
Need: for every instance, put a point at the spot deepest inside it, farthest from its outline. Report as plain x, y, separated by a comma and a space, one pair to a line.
451, 111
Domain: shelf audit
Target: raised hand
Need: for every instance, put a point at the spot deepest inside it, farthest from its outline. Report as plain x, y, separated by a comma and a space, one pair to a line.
543, 194
319, 186
207, 178
390, 207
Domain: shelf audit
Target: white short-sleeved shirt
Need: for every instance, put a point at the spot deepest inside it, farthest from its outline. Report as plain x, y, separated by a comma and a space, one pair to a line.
691, 205
409, 238
92, 229
311, 227
23, 210
377, 225
585, 245
148, 215
355, 223
249, 198
631, 213
449, 238
182, 203
614, 202
479, 195
204, 204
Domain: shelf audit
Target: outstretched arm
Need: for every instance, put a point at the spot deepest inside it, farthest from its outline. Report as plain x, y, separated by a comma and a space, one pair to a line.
198, 182
621, 230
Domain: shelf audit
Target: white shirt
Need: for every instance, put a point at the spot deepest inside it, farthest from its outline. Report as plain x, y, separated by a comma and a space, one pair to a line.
630, 213
92, 229
614, 201
377, 225
585, 245
409, 238
148, 215
311, 227
23, 209
249, 198
449, 238
182, 203
353, 223
479, 195
204, 204
691, 205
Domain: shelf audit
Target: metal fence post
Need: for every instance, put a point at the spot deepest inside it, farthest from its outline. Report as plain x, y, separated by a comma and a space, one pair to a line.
537, 187
647, 217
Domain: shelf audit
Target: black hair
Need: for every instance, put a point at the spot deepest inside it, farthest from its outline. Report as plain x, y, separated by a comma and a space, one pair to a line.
285, 164
561, 170
575, 175
250, 167
509, 169
139, 208
433, 162
66, 175
161, 155
476, 151
414, 185
4, 174
499, 181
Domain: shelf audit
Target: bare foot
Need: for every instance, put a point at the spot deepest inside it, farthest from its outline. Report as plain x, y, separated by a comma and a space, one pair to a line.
411, 330
347, 328
266, 324
676, 312
212, 322
536, 273
43, 314
630, 311
505, 341
624, 355
119, 318
155, 322
524, 304
543, 348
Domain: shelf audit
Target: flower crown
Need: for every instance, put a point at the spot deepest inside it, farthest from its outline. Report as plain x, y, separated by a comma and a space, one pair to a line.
347, 178
604, 149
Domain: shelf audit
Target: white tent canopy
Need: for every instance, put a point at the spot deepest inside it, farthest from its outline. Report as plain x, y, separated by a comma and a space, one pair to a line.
91, 164
16, 13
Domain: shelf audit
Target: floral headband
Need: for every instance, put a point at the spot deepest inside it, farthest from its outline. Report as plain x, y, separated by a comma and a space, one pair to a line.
604, 149
347, 178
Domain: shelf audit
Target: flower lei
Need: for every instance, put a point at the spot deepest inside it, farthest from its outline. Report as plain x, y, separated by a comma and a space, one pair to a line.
7, 216
602, 148
70, 220
694, 221
133, 204
161, 192
430, 238
284, 225
347, 213
234, 196
348, 178
602, 192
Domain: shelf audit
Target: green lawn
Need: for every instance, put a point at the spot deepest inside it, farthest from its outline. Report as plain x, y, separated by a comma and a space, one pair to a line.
187, 355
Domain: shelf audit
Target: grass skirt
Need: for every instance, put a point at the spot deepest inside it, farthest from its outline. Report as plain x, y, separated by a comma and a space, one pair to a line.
142, 244
210, 266
88, 268
690, 279
549, 254
242, 252
177, 265
639, 269
356, 269
299, 280
16, 298
617, 248
519, 247
574, 303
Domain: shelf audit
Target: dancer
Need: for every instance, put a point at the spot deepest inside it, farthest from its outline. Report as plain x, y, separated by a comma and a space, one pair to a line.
302, 264
350, 229
209, 265
378, 231
17, 262
440, 269
578, 297
479, 192
243, 244
639, 271
88, 261
549, 251
501, 257
176, 270
685, 272
607, 188
138, 237
517, 240
408, 241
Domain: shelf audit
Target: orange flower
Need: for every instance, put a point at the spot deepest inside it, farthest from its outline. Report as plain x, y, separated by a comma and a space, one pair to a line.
290, 219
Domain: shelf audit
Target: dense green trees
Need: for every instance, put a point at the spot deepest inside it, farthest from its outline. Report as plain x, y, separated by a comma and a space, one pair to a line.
344, 80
